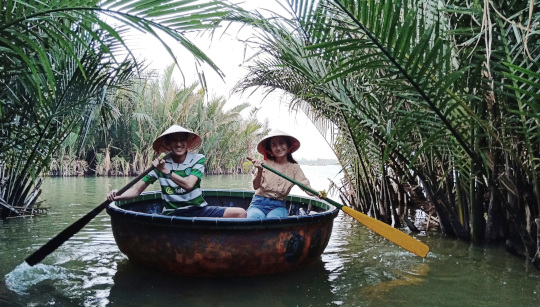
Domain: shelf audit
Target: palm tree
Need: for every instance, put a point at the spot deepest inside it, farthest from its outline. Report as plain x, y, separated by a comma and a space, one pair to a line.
58, 58
434, 104
227, 138
152, 104
38, 126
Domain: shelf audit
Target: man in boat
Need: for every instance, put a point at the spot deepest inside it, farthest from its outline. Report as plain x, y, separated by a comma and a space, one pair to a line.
180, 177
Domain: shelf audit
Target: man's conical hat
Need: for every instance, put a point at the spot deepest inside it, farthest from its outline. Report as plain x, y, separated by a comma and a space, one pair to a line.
160, 144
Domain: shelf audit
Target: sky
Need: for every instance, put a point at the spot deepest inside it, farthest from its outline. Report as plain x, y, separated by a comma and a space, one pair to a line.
228, 54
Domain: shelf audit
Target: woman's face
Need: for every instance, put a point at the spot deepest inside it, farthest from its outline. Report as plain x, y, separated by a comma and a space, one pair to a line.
279, 146
178, 143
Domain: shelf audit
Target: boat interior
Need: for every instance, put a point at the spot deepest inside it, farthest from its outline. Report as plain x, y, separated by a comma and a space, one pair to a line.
151, 203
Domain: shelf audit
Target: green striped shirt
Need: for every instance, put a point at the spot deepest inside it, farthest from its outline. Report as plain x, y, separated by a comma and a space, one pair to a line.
175, 196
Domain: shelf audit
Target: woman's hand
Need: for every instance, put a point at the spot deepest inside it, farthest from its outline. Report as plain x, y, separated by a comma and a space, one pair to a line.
258, 165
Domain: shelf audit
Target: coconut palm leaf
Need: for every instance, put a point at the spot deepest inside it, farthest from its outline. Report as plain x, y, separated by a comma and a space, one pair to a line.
39, 126
414, 88
67, 21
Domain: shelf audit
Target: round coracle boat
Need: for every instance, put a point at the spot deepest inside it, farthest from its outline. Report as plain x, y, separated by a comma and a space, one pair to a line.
221, 246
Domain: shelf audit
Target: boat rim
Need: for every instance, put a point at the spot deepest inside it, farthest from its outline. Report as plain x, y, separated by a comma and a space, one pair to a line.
116, 210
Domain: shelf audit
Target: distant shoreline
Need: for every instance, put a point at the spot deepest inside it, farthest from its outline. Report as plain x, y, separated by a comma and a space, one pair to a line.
318, 162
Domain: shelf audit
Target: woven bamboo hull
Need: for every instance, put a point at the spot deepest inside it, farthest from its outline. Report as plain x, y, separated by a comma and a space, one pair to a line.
221, 247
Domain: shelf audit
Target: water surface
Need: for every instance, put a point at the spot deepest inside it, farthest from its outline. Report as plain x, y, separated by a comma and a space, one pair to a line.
358, 268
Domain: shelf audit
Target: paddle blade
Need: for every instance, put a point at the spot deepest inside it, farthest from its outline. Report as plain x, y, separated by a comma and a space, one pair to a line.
395, 235
63, 236
67, 233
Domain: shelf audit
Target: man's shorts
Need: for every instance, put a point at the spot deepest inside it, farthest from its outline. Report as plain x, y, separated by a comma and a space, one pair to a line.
206, 211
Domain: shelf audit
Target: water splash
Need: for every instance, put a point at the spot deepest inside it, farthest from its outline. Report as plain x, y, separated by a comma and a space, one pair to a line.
24, 276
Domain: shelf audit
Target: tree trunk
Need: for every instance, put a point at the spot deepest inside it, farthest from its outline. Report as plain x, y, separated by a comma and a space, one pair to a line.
477, 209
496, 223
536, 259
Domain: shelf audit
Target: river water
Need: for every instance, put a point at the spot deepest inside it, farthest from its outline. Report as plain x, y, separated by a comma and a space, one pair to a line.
358, 268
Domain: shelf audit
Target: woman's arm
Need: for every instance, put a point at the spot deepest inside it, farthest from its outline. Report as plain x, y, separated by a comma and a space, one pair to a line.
301, 178
258, 174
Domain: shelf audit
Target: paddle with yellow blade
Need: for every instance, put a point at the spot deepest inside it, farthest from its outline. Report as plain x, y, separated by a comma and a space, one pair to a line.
67, 233
390, 233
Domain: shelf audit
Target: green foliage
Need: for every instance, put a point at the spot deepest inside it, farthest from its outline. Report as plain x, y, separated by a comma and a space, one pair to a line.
60, 60
34, 127
154, 103
431, 104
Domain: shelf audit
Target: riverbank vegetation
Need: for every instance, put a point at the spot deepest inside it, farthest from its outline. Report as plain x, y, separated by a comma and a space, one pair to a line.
426, 104
120, 143
61, 64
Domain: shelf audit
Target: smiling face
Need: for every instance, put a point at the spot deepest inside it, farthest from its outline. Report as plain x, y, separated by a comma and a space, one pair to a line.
178, 143
279, 147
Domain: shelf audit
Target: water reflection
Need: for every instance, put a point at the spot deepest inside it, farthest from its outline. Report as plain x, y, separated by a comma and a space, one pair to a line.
413, 277
304, 287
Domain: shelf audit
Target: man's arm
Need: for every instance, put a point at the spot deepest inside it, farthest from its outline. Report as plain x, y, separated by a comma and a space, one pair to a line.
134, 191
186, 183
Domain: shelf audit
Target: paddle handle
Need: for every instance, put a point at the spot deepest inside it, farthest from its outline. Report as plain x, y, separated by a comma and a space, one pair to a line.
71, 230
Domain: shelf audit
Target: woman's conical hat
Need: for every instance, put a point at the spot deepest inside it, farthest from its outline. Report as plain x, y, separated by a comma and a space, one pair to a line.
295, 143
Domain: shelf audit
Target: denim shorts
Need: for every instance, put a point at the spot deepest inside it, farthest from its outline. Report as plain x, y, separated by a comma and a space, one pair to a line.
263, 207
206, 211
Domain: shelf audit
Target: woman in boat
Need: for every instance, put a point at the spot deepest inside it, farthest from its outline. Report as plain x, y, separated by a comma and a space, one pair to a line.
180, 177
271, 189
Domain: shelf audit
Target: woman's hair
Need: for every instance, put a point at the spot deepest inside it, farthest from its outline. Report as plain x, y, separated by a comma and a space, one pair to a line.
268, 149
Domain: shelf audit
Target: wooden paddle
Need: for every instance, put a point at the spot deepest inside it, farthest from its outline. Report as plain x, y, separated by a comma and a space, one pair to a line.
390, 233
67, 233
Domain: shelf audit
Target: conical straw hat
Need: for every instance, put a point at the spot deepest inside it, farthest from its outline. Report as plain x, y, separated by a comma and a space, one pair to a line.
295, 143
160, 144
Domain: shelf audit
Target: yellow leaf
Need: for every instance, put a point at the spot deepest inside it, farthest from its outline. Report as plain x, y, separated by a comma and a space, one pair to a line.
247, 166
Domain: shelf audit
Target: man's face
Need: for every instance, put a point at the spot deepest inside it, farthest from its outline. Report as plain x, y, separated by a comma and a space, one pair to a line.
178, 143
